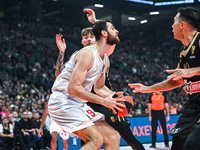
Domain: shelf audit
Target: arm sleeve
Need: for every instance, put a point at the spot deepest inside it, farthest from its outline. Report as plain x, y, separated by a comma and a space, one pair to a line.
1, 128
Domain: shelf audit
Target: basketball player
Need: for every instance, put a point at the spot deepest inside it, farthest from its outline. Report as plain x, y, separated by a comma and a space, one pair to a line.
121, 124
71, 90
185, 136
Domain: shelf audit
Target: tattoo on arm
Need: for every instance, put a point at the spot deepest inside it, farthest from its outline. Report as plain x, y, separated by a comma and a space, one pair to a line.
59, 64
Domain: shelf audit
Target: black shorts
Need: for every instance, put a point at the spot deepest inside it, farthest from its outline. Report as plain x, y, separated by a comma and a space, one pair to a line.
116, 122
187, 120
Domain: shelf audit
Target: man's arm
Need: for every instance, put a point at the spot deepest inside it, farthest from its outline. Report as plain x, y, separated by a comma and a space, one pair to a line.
99, 87
62, 47
102, 90
7, 135
22, 128
161, 86
84, 61
44, 116
167, 110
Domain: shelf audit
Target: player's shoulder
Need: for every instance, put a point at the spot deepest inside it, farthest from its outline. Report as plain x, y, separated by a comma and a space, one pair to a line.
85, 52
88, 50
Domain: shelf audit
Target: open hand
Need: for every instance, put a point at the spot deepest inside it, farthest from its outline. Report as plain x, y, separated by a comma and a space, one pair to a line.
60, 42
91, 15
180, 73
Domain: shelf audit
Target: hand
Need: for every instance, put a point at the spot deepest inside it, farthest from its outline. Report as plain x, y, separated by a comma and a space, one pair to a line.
40, 132
91, 15
11, 135
26, 133
139, 88
180, 73
113, 103
60, 43
34, 133
150, 119
167, 119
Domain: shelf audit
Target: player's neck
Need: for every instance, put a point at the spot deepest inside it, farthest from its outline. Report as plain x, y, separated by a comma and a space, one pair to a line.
187, 37
102, 48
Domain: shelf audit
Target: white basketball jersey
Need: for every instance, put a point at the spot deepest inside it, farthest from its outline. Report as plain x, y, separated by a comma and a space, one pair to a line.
98, 67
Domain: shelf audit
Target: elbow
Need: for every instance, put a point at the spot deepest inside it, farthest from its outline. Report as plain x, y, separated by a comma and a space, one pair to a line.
71, 91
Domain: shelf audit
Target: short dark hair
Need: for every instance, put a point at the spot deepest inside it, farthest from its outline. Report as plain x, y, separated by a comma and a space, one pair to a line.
98, 27
190, 15
86, 31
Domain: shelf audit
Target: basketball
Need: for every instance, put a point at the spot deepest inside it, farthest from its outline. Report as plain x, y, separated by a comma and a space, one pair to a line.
128, 103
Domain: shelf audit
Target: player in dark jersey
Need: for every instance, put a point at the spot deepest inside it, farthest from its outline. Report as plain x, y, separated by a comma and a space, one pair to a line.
185, 27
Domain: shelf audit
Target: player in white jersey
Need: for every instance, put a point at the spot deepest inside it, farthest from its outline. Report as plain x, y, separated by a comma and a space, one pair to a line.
71, 91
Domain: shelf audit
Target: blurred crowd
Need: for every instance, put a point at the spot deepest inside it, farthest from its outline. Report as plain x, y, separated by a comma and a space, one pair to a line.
27, 65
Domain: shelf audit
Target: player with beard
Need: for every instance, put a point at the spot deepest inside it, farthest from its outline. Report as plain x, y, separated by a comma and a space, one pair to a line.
71, 90
121, 124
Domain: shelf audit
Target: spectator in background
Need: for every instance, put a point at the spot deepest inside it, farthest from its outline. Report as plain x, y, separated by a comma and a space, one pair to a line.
16, 116
4, 111
6, 134
27, 128
17, 133
30, 115
36, 124
20, 69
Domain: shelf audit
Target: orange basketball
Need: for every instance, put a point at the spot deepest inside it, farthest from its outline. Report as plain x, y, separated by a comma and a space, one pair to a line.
128, 103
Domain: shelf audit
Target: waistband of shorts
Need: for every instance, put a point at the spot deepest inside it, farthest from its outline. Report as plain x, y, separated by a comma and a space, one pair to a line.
68, 97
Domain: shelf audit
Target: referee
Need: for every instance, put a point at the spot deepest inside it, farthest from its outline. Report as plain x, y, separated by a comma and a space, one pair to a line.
157, 104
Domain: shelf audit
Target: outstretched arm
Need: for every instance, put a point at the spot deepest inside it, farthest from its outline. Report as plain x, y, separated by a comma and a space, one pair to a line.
161, 86
91, 15
62, 47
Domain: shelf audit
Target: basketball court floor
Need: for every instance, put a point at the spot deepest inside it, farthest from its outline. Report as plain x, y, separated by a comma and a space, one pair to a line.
159, 146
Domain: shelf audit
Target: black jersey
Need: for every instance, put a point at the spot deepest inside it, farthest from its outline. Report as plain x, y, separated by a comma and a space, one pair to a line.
192, 60
191, 111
